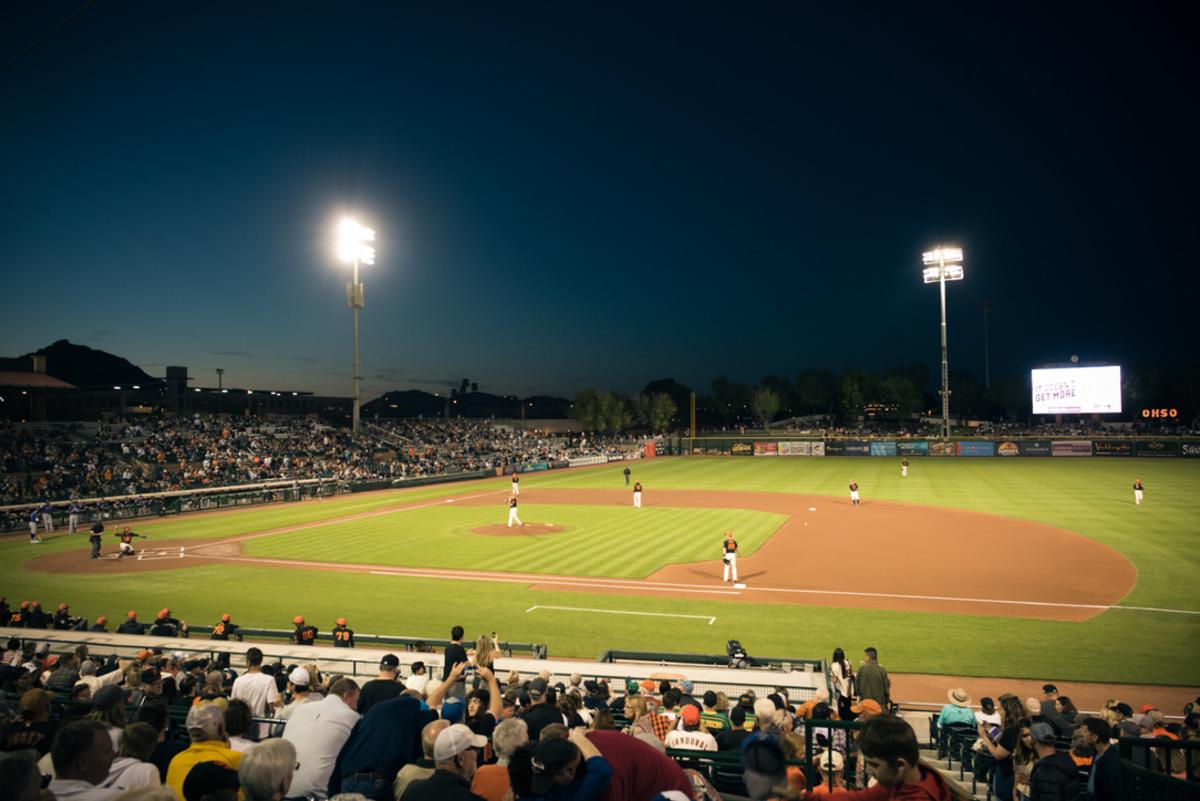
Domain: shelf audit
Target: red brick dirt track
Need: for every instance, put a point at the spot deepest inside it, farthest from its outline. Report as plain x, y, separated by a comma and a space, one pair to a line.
882, 555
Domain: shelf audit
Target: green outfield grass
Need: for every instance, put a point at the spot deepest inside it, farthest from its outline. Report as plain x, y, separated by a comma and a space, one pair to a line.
1090, 496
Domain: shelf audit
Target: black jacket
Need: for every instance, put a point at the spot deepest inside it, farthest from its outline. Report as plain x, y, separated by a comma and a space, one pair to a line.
441, 786
1055, 778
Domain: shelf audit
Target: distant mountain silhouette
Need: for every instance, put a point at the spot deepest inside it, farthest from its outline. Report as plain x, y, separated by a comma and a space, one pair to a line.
82, 366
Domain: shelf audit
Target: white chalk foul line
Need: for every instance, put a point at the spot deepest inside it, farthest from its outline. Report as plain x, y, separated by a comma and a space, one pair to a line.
710, 620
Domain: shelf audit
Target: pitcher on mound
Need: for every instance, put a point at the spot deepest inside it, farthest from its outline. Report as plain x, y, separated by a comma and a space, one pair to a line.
730, 558
512, 511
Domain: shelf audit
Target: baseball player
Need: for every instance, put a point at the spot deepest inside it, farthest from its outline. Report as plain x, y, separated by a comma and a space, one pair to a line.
94, 538
48, 518
33, 524
126, 547
627, 473
224, 629
903, 468
73, 518
511, 503
1139, 492
637, 495
304, 634
516, 485
62, 618
854, 501
729, 546
343, 637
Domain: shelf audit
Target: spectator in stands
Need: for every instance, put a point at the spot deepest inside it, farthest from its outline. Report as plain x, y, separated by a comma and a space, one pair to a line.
989, 716
423, 768
257, 689
108, 707
32, 729
1104, 781
891, 753
132, 768
539, 713
764, 769
827, 736
1049, 695
238, 721
873, 681
209, 743
454, 653
383, 688
1055, 776
87, 675
1012, 717
732, 738
319, 731
154, 712
483, 706
766, 722
711, 720
454, 756
131, 625
418, 678
958, 711
211, 781
1062, 718
64, 676
266, 773
300, 690
20, 777
552, 769
82, 754
387, 739
690, 737
492, 781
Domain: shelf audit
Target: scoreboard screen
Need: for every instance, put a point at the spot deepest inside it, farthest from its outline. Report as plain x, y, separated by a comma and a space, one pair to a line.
1077, 390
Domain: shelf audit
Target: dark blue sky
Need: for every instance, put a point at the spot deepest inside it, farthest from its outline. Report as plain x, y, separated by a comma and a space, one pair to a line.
579, 194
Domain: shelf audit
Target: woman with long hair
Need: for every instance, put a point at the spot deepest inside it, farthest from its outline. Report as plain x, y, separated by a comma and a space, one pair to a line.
1023, 758
1012, 717
843, 682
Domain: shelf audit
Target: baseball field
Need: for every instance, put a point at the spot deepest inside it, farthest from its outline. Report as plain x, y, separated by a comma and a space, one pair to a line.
1020, 567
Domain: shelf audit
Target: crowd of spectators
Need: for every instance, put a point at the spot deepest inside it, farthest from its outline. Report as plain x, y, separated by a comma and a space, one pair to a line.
101, 728
57, 463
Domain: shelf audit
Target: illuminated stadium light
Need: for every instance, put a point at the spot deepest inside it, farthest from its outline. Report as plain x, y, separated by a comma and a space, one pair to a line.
353, 249
943, 263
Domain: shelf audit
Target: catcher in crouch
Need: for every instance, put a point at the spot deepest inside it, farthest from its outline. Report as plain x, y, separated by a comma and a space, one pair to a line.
126, 536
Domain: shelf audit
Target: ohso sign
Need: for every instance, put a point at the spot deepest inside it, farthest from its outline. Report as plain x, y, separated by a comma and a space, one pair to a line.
1159, 414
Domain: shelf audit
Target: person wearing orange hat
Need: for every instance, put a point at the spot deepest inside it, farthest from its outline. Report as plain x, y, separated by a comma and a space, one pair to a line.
38, 619
304, 633
343, 637
131, 625
126, 536
62, 618
101, 625
224, 628
17, 619
166, 626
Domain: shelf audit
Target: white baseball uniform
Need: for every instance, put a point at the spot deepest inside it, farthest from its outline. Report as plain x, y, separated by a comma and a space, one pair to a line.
512, 513
730, 559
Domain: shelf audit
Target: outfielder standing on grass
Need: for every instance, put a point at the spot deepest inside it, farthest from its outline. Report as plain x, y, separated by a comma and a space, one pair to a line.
511, 503
637, 495
730, 548
1139, 492
903, 468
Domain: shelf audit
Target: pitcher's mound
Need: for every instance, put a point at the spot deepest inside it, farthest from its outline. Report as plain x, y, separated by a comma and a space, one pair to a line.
517, 531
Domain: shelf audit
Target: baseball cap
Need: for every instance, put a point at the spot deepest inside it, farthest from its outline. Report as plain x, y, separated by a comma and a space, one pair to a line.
631, 687
207, 778
166, 610
389, 661
51, 661
108, 697
452, 711
867, 705
1124, 708
131, 614
549, 757
225, 618
765, 766
1146, 708
687, 686
299, 677
453, 740
150, 676
298, 619
1049, 688
746, 700
690, 714
1042, 732
102, 621
649, 685
341, 621
537, 687
831, 760
61, 607
1144, 721
592, 686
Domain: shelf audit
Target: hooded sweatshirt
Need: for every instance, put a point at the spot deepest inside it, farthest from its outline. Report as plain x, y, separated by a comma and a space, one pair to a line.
931, 787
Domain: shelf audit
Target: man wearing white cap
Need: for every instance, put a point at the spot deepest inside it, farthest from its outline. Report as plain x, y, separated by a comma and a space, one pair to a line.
455, 758
300, 689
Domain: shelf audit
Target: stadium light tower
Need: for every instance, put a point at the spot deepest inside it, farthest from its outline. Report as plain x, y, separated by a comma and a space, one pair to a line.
353, 249
944, 264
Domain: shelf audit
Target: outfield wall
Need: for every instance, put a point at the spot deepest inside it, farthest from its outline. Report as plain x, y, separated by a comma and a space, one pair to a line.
967, 447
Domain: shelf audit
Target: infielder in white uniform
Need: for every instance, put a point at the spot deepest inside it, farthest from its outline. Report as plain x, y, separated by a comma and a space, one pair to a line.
73, 519
512, 512
1139, 492
903, 468
730, 557
637, 495
516, 490
854, 493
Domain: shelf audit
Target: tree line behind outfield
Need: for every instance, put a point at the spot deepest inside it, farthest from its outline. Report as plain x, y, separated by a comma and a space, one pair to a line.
901, 393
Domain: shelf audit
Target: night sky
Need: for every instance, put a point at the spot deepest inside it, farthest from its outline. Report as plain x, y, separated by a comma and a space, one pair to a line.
573, 194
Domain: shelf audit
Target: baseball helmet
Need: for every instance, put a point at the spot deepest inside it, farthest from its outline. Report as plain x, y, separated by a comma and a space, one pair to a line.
225, 618
341, 621
132, 614
298, 619
100, 621
62, 607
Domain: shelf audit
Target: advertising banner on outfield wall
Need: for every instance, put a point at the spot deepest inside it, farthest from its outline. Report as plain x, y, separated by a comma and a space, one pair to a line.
805, 448
586, 460
1159, 447
1071, 447
847, 447
1189, 449
1008, 449
766, 448
818, 449
976, 448
1101, 448
1034, 447
916, 448
939, 448
741, 449
885, 448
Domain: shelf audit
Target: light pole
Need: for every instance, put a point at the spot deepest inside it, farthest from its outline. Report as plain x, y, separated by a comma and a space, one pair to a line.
987, 359
353, 249
941, 265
